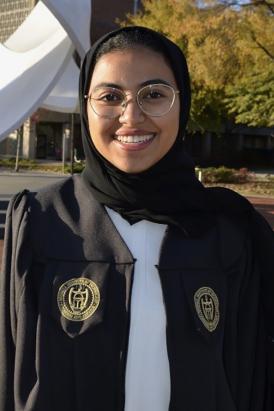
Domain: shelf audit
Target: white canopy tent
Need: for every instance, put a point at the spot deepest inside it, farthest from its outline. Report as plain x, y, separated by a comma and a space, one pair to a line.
75, 17
64, 96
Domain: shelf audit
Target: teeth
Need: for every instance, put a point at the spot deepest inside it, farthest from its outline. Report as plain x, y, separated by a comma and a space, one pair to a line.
134, 139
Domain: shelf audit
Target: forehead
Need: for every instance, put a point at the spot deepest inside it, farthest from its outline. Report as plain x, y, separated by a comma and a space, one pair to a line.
131, 68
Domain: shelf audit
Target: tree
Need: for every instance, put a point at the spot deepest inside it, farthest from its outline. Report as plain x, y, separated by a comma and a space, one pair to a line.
252, 99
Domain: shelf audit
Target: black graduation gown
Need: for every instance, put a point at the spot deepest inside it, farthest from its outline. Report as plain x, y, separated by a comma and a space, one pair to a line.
218, 292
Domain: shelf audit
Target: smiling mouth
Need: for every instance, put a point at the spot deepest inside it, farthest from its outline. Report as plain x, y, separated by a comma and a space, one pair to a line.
134, 139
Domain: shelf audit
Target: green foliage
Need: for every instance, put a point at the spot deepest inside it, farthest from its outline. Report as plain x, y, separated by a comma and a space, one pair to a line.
207, 109
26, 164
251, 100
77, 167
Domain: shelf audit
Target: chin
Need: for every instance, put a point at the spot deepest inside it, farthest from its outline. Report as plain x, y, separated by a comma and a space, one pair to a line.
132, 169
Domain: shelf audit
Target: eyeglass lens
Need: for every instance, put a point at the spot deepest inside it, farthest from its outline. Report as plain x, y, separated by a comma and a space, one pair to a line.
154, 100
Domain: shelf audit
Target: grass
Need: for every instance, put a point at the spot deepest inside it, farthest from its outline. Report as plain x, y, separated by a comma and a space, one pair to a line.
9, 163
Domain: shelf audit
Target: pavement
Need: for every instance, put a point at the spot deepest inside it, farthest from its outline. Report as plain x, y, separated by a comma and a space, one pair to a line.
11, 183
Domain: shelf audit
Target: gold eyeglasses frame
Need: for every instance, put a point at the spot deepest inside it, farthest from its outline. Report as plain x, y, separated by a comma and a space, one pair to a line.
125, 102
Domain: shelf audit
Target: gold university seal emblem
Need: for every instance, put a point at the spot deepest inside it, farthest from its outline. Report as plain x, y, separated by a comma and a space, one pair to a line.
78, 299
207, 307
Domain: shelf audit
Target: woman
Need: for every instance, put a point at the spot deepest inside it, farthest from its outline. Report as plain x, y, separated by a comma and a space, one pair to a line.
132, 287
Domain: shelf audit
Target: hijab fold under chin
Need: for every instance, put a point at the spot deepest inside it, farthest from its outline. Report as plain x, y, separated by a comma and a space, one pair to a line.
168, 192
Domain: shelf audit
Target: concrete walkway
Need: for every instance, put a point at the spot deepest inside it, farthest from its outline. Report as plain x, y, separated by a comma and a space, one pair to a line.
12, 183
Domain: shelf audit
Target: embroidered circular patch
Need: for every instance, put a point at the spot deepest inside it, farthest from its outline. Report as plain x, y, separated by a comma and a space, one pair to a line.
78, 299
207, 307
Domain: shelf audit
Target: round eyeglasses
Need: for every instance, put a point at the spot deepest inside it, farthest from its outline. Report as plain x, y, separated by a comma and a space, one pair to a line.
155, 100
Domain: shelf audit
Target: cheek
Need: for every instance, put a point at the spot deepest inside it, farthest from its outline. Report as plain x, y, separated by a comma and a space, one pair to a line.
170, 125
92, 122
97, 126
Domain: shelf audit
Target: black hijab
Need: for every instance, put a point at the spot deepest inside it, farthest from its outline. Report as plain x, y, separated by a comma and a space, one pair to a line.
169, 191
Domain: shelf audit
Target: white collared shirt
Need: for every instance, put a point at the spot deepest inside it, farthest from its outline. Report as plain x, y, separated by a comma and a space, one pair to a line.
147, 370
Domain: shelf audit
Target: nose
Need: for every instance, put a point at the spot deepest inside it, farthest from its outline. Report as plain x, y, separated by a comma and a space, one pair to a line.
131, 114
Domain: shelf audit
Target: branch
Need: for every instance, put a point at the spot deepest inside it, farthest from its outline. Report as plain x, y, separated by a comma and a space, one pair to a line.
262, 47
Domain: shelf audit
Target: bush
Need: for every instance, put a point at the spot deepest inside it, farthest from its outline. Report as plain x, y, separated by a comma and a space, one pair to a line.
223, 174
77, 167
23, 163
47, 167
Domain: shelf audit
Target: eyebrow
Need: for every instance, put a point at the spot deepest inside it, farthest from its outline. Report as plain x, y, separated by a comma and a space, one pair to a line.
145, 83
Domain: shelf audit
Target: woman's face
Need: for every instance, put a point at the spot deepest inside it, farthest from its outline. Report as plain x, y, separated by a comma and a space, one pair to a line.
134, 141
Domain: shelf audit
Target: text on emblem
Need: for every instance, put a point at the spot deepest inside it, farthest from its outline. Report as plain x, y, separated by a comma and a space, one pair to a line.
78, 299
207, 307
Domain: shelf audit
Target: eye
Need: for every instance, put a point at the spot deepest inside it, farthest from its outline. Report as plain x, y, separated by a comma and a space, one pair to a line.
108, 96
111, 97
153, 95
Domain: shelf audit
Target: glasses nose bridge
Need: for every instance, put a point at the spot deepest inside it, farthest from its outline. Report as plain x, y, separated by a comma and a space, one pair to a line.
132, 99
